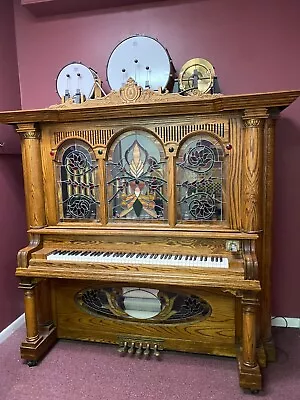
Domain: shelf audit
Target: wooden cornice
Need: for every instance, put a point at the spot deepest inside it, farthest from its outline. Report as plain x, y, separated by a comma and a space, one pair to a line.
148, 103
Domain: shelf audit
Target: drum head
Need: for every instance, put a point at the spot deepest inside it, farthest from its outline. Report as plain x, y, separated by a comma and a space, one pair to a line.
75, 76
142, 58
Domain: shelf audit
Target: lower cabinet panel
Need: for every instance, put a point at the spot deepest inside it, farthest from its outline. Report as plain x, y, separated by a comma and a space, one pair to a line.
192, 320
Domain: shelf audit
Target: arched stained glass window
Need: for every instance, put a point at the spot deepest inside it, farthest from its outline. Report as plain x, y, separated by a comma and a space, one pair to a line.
136, 178
200, 179
78, 191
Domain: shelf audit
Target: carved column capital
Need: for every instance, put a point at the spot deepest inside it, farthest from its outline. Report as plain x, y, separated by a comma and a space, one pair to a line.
252, 122
28, 131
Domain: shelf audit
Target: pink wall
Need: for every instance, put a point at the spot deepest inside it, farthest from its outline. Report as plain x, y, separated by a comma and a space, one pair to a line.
9, 79
12, 213
13, 236
254, 48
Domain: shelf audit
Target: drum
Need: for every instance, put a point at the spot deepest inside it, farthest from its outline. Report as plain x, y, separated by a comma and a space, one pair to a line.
142, 58
76, 79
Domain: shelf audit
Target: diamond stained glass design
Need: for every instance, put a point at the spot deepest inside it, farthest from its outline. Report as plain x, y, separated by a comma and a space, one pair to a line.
136, 185
200, 180
79, 190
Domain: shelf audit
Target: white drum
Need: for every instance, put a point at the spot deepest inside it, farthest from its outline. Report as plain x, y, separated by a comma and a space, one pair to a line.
142, 58
76, 79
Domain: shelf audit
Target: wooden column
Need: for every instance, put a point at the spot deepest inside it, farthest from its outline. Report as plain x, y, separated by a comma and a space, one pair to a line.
32, 333
33, 175
250, 374
103, 188
249, 306
252, 170
172, 206
266, 257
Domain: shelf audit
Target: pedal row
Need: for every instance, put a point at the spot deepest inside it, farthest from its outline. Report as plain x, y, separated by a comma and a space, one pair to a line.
140, 349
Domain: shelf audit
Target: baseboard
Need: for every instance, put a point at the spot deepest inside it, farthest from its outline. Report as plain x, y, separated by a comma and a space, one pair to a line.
12, 328
286, 322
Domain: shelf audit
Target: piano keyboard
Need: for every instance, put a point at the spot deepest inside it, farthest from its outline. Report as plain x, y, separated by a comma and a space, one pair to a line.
134, 258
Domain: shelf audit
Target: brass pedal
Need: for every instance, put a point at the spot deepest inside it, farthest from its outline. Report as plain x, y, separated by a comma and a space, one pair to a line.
139, 350
156, 352
147, 350
140, 346
123, 349
131, 349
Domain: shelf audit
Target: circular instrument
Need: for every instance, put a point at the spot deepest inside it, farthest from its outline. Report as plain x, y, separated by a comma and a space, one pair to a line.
76, 79
197, 73
143, 59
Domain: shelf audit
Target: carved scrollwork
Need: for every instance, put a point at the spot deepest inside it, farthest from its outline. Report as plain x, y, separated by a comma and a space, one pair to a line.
251, 264
31, 135
252, 122
25, 254
132, 93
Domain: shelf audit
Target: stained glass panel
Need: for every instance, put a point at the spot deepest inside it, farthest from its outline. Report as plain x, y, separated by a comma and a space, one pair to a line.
200, 179
78, 192
150, 305
136, 183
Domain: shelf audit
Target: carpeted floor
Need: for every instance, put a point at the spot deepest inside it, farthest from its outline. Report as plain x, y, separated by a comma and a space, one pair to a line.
76, 370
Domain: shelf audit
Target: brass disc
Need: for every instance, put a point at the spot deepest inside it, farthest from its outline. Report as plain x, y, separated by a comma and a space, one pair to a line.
197, 71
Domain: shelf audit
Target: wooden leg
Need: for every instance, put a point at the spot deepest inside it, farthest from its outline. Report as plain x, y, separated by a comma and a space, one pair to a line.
250, 374
37, 341
32, 333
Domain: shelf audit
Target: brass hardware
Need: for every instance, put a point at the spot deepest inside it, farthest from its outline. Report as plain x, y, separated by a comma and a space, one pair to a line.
156, 352
123, 348
147, 350
139, 350
233, 246
140, 347
131, 349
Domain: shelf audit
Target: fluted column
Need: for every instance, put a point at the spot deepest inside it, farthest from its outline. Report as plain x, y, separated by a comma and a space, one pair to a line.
252, 172
33, 175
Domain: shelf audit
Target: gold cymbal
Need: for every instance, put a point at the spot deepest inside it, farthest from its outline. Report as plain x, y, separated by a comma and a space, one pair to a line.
197, 73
